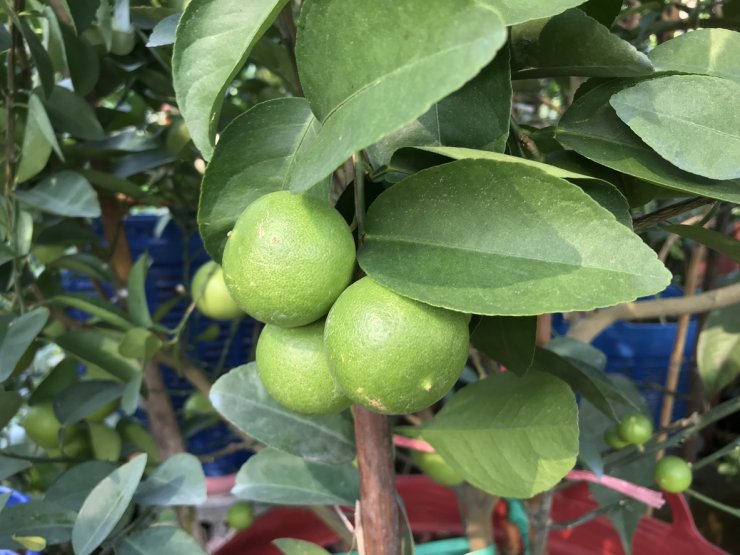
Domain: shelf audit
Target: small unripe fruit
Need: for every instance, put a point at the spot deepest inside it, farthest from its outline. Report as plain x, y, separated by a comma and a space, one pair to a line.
635, 428
240, 515
211, 296
613, 439
42, 426
434, 466
673, 474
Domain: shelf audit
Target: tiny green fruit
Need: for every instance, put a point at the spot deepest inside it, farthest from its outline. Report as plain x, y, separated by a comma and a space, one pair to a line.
240, 515
294, 369
434, 466
288, 258
635, 428
211, 294
197, 404
673, 474
613, 439
42, 426
76, 442
392, 354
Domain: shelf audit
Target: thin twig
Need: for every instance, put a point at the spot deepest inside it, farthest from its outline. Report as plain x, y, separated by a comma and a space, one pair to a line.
589, 516
666, 213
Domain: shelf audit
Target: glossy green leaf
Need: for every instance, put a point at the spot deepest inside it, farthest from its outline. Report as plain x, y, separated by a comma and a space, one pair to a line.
533, 420
10, 402
298, 547
98, 349
509, 340
518, 11
137, 303
253, 158
164, 32
475, 116
36, 147
18, 337
105, 505
66, 193
592, 128
273, 476
72, 488
718, 350
212, 42
35, 518
70, 113
163, 540
573, 43
515, 242
425, 49
723, 244
83, 398
177, 481
104, 310
703, 51
699, 137
243, 400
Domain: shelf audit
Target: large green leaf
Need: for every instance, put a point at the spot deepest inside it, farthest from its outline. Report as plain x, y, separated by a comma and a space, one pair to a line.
277, 477
83, 398
573, 43
105, 505
98, 349
475, 116
36, 147
70, 113
411, 55
299, 547
508, 435
704, 51
592, 128
36, 518
66, 193
177, 481
241, 398
518, 11
718, 354
17, 337
699, 137
253, 158
162, 540
72, 488
495, 238
212, 42
509, 340
723, 244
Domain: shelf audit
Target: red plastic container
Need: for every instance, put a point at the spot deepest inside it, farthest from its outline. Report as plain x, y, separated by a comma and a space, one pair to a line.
432, 508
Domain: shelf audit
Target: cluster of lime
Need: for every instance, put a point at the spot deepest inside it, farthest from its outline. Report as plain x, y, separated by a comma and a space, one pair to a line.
288, 262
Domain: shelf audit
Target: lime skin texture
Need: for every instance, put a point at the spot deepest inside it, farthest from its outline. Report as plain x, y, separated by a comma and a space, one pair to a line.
673, 474
288, 258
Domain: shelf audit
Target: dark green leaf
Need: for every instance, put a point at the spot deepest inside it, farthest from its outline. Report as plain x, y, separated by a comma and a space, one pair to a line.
592, 128
163, 540
242, 399
164, 32
704, 51
177, 481
389, 79
298, 547
35, 518
718, 351
66, 193
509, 435
113, 184
70, 113
105, 505
4, 39
82, 60
10, 402
273, 476
603, 11
40, 57
221, 32
6, 254
61, 376
106, 311
36, 147
727, 246
577, 351
137, 303
72, 488
509, 340
84, 398
3, 500
86, 264
83, 13
253, 158
139, 162
516, 242
518, 11
18, 337
11, 466
573, 43
93, 347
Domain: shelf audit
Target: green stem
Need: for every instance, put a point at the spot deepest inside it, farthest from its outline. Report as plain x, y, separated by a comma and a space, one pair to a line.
359, 197
713, 503
716, 455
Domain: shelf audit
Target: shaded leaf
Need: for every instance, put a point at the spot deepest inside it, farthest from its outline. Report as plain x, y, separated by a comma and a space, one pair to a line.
177, 481
72, 488
603, 11
86, 264
727, 246
82, 61
509, 340
221, 32
243, 400
508, 435
39, 54
273, 476
458, 40
298, 547
18, 337
36, 147
35, 518
137, 303
93, 347
61, 376
105, 505
11, 466
66, 193
718, 350
10, 402
70, 113
106, 311
516, 242
163, 540
83, 398
699, 137
139, 343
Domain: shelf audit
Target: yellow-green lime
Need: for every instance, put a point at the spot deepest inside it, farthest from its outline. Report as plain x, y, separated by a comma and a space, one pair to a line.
288, 258
613, 439
434, 466
76, 442
294, 369
635, 428
240, 515
673, 474
103, 412
106, 442
211, 294
392, 354
42, 426
198, 404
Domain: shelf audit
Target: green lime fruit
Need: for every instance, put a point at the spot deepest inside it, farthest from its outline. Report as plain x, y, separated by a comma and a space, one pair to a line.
76, 442
211, 295
240, 515
106, 442
288, 258
103, 412
294, 368
392, 354
673, 474
613, 439
635, 428
197, 404
46, 254
42, 426
434, 466
122, 42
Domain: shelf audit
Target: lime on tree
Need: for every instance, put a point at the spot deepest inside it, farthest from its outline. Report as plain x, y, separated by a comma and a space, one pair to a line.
434, 466
211, 296
635, 428
673, 474
240, 515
